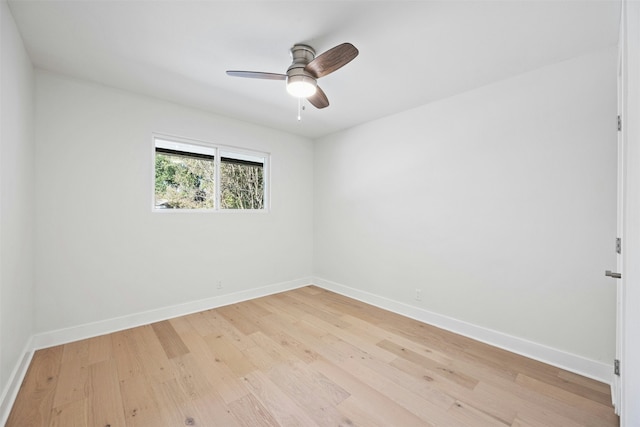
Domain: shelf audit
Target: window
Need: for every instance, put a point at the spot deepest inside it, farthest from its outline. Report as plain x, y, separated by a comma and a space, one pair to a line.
192, 175
241, 181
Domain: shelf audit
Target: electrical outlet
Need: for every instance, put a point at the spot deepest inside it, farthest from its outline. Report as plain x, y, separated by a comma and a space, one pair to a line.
219, 284
418, 294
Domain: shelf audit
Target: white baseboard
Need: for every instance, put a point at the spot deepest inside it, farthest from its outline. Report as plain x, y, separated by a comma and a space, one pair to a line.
15, 381
89, 330
586, 367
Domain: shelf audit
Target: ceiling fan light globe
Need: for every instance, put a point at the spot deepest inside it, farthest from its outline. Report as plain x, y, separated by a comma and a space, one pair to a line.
301, 86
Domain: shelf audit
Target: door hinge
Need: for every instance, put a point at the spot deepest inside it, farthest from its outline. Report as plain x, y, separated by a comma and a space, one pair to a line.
616, 367
618, 245
619, 123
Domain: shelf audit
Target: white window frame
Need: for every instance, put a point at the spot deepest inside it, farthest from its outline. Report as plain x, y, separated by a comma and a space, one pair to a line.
218, 149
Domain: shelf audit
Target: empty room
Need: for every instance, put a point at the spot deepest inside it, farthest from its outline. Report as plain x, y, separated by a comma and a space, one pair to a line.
319, 213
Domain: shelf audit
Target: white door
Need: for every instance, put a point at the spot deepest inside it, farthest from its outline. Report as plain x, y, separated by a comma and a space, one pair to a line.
616, 384
629, 326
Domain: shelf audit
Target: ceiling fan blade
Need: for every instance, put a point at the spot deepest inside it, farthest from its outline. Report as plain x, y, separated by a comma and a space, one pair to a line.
257, 75
331, 60
319, 99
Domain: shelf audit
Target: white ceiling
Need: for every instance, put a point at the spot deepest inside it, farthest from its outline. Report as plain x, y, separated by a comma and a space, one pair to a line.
411, 52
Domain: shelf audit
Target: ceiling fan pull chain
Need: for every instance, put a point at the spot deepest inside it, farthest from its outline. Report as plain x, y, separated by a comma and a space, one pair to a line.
299, 109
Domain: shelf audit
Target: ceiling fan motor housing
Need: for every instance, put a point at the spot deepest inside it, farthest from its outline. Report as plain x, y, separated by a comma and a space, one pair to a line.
296, 74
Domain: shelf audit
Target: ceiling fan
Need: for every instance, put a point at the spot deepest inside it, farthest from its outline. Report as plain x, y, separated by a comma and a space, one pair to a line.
306, 69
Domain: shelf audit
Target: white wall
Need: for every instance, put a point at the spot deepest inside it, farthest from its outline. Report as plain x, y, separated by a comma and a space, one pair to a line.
102, 253
499, 204
17, 199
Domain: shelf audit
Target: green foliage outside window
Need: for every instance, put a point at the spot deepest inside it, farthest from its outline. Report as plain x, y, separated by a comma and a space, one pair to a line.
183, 182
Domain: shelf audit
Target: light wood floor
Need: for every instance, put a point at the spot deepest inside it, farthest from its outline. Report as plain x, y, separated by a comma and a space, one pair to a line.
306, 357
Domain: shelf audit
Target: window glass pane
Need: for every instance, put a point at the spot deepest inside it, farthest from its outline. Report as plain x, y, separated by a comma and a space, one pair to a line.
184, 177
241, 181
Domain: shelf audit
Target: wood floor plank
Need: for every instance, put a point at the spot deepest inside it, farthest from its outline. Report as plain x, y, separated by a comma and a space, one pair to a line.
311, 390
540, 406
468, 414
358, 413
447, 371
214, 412
415, 395
100, 348
225, 352
284, 311
72, 383
595, 408
76, 352
74, 414
345, 333
38, 389
169, 339
406, 389
148, 351
200, 323
271, 352
223, 327
492, 406
311, 290
540, 371
224, 383
318, 311
139, 403
141, 409
105, 400
306, 357
244, 316
259, 356
176, 409
277, 330
377, 334
74, 369
251, 413
366, 399
537, 418
585, 382
187, 371
125, 353
283, 409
